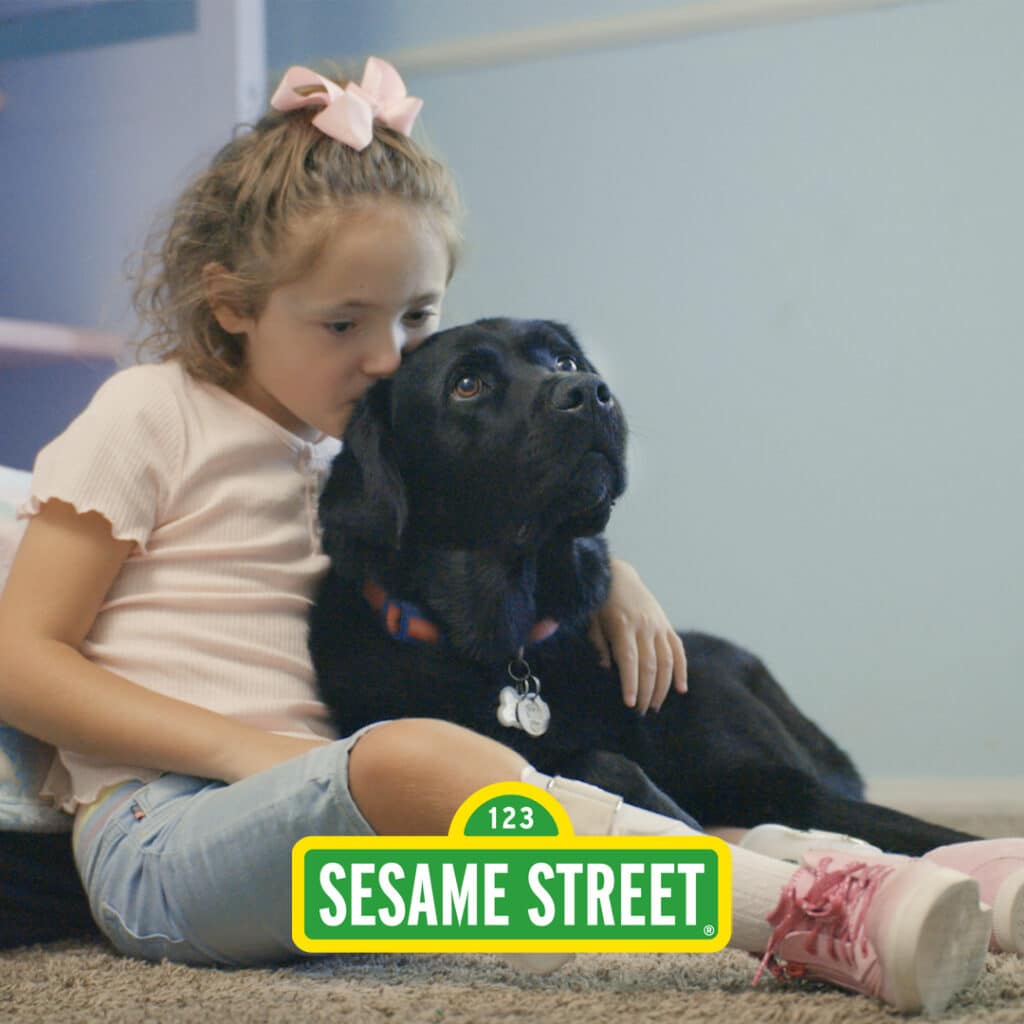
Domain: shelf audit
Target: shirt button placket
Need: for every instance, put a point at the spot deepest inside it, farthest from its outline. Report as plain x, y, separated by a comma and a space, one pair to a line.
307, 467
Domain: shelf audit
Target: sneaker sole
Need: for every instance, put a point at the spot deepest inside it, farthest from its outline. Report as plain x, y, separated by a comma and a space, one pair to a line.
790, 844
537, 963
937, 943
1008, 914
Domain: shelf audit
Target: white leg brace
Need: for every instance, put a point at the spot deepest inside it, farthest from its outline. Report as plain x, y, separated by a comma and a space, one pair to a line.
757, 880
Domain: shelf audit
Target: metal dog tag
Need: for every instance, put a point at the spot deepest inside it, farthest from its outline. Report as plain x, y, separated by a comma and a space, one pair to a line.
521, 706
526, 711
533, 714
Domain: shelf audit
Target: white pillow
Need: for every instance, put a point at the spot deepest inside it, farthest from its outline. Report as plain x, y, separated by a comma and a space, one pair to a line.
14, 488
24, 761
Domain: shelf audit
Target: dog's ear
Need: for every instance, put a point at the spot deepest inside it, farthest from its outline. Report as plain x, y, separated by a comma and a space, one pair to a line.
364, 500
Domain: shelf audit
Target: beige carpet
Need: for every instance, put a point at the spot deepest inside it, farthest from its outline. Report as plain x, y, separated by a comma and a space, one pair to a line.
85, 982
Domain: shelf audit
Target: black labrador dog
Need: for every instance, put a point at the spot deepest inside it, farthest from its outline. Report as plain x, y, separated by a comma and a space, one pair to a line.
463, 521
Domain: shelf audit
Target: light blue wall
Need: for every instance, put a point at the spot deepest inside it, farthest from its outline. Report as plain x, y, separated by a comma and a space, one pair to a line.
304, 31
796, 251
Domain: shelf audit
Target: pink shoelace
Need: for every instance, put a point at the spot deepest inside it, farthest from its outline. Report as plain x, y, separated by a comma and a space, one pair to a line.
837, 903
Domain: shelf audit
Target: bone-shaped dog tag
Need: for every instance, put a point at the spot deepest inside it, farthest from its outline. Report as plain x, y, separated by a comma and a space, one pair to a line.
521, 706
507, 701
527, 711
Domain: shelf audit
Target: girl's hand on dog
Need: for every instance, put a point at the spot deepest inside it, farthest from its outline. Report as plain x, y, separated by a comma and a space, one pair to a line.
633, 628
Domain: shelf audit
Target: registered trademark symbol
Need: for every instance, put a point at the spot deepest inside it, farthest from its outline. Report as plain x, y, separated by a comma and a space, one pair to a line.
709, 930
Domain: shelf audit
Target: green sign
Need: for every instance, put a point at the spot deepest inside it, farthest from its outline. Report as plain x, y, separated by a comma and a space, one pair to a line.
511, 876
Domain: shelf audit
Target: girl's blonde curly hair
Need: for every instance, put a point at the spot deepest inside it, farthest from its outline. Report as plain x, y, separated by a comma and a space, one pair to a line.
240, 213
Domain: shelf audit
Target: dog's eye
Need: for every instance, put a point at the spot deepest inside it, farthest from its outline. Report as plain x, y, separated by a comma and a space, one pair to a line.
566, 364
468, 387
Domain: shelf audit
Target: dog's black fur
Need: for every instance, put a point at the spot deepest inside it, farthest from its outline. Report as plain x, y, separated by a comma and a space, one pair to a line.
475, 484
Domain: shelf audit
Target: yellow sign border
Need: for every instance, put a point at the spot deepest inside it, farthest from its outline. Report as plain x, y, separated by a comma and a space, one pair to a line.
565, 840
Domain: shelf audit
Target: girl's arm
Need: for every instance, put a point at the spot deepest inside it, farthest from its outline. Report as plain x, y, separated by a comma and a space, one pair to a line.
64, 566
632, 627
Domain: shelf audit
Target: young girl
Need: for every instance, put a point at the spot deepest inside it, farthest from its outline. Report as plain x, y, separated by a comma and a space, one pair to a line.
154, 623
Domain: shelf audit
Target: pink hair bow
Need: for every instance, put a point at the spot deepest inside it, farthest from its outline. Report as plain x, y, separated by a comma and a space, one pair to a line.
349, 113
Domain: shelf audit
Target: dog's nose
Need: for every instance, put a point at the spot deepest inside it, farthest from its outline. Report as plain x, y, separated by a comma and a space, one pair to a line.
581, 392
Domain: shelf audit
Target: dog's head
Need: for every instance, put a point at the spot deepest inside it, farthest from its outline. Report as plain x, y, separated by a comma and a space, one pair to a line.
499, 433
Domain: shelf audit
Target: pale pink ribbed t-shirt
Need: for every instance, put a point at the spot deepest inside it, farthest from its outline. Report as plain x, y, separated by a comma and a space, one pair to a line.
211, 605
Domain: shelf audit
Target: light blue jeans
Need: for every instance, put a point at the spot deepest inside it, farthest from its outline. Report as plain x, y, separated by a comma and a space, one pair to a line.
199, 872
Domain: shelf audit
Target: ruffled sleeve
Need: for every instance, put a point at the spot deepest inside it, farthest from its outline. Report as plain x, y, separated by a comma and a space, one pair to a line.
121, 457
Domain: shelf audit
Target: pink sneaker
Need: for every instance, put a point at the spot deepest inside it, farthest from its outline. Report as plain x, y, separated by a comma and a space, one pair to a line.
998, 867
907, 932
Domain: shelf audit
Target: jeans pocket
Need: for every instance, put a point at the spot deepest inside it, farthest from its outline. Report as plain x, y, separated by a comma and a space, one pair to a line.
155, 805
146, 943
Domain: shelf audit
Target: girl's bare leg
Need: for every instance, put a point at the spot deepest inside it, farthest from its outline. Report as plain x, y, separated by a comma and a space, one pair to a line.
409, 776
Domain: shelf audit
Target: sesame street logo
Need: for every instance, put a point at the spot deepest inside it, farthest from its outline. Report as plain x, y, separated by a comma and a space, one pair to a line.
510, 876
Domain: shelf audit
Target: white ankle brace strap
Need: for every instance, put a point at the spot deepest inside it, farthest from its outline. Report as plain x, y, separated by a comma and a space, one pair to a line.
592, 811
